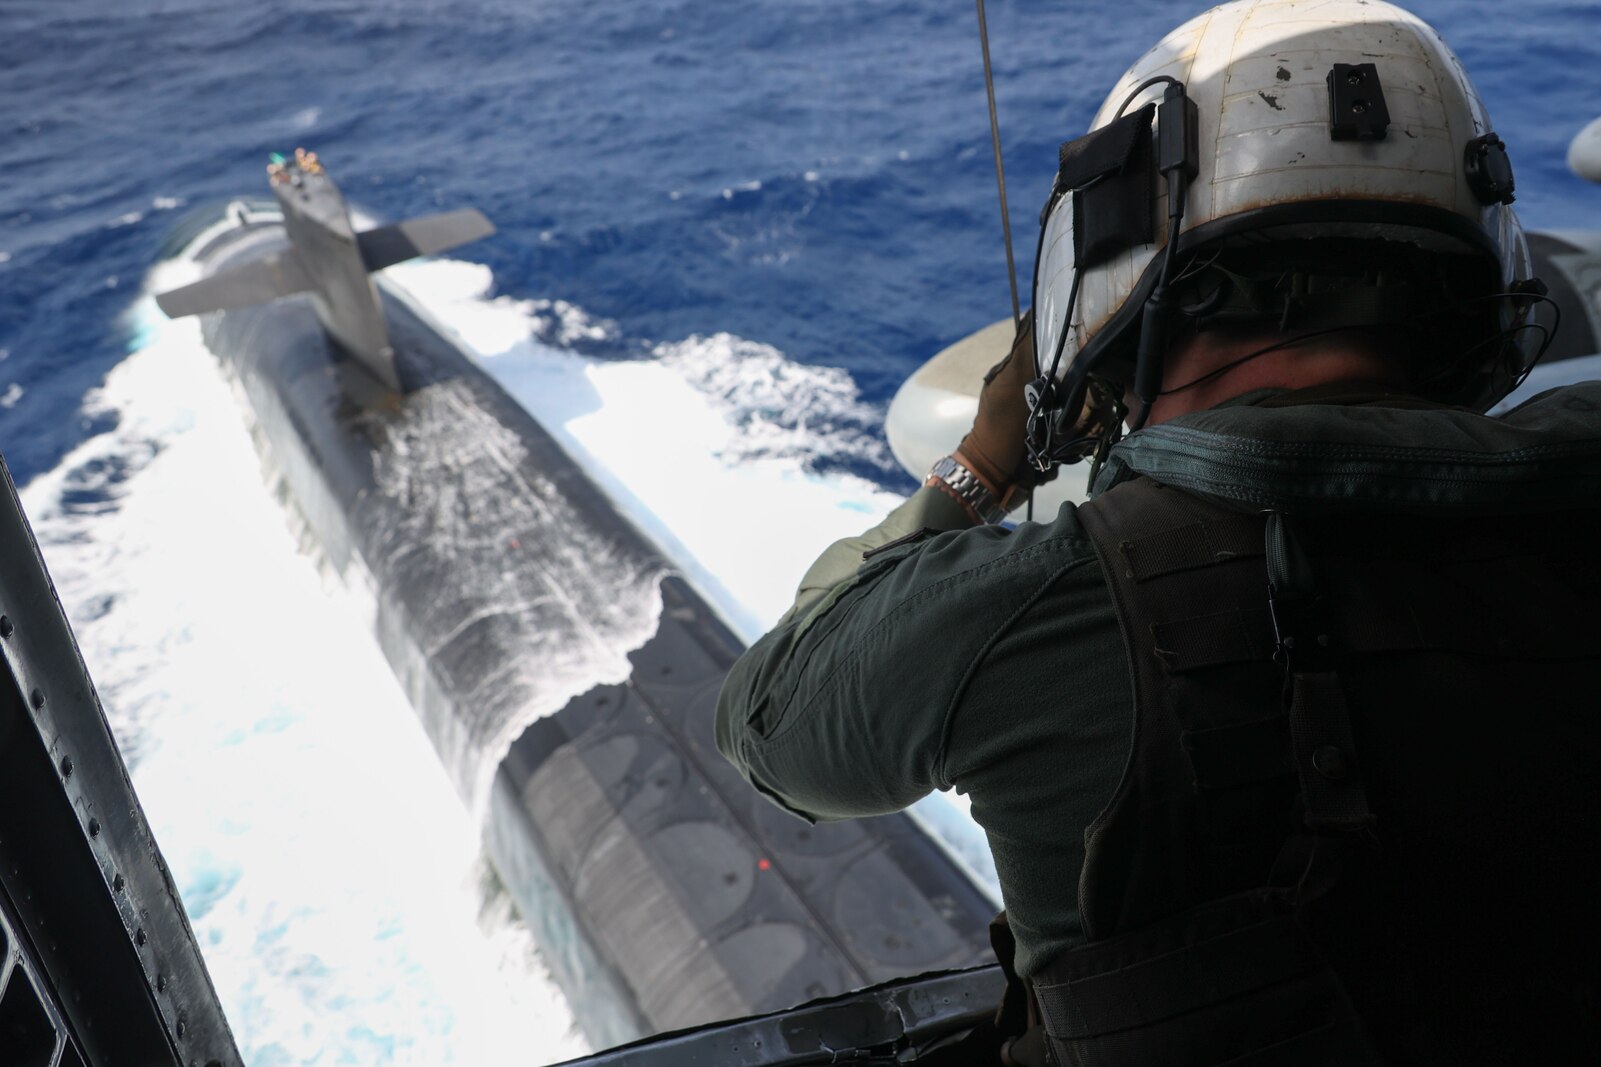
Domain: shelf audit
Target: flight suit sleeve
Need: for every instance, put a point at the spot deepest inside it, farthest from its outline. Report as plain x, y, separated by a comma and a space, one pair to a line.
843, 709
926, 512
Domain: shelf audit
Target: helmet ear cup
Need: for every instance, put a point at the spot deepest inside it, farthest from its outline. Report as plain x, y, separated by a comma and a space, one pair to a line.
1489, 170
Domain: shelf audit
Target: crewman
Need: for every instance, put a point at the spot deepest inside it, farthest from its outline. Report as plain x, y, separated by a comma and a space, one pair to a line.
1287, 742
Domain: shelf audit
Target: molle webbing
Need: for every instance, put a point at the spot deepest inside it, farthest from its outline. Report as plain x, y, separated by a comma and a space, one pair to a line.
1189, 583
1302, 689
1194, 957
1216, 955
1227, 984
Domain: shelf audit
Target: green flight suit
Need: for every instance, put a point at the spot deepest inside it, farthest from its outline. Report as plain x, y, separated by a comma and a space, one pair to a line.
928, 667
990, 660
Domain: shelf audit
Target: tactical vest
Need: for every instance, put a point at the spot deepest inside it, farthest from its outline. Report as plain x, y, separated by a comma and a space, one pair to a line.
1359, 820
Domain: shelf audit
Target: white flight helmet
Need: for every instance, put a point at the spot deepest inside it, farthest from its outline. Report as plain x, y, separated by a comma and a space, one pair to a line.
1348, 119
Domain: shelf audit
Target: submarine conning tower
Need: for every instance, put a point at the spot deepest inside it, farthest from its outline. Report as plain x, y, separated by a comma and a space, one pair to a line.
318, 224
327, 258
565, 675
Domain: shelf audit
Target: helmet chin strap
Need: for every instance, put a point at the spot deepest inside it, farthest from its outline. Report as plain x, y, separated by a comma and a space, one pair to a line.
1090, 431
1152, 353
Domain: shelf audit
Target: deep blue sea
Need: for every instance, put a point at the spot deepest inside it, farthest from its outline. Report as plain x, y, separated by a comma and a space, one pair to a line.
647, 161
760, 215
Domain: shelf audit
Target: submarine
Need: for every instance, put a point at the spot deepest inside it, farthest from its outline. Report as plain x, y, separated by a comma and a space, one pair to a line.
565, 674
99, 966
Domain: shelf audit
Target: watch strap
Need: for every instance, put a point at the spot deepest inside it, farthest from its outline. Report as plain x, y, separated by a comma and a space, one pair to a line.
968, 489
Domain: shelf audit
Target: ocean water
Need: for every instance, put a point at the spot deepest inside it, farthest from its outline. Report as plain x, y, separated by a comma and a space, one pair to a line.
727, 232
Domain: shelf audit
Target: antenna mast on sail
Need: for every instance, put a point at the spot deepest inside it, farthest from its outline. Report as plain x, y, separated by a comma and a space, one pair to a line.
1000, 171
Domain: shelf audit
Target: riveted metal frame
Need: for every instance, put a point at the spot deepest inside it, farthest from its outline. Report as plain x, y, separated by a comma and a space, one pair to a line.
91, 896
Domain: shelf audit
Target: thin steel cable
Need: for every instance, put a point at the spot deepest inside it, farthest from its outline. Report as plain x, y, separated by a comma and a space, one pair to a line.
1000, 171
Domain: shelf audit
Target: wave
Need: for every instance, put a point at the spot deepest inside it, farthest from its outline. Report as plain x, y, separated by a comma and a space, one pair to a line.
709, 444
722, 450
331, 873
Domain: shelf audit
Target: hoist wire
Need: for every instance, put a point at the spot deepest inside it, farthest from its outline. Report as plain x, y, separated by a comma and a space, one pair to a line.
1000, 171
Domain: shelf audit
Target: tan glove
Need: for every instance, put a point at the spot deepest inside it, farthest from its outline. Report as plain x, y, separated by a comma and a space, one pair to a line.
994, 449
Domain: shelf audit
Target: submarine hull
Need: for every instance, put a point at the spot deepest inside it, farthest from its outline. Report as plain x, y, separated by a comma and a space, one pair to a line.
567, 678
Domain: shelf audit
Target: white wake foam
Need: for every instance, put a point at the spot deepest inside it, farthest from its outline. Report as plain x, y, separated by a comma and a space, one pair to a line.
711, 447
331, 872
707, 447
579, 609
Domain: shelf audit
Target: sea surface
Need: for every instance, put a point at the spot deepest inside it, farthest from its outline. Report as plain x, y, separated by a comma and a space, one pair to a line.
727, 232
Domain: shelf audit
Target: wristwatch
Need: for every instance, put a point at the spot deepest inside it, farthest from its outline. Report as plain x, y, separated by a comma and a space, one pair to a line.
964, 485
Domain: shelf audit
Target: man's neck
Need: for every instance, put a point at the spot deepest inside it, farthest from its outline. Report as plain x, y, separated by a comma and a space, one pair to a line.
1198, 375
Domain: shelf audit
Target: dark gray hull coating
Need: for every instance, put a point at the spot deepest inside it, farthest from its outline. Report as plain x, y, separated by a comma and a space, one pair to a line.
634, 851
